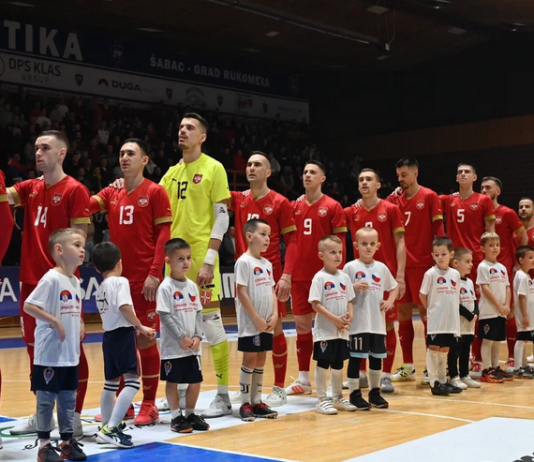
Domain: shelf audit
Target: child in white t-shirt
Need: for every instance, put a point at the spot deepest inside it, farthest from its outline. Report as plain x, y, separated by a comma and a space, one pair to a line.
56, 305
370, 280
257, 314
331, 296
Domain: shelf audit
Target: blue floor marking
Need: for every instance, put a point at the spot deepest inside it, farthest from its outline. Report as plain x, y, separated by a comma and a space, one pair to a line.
6, 419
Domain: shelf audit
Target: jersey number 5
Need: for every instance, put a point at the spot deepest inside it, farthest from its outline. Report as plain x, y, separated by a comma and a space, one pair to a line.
182, 188
460, 215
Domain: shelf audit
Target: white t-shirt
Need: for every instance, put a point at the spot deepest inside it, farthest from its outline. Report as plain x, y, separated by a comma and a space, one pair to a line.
113, 293
496, 276
368, 318
182, 301
442, 288
334, 292
59, 296
523, 285
467, 299
257, 275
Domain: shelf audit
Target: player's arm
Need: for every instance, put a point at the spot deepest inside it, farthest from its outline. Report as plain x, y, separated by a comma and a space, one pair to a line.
288, 229
489, 214
271, 322
523, 307
129, 314
338, 321
39, 313
79, 203
424, 300
339, 229
436, 215
388, 303
247, 305
163, 308
424, 291
401, 261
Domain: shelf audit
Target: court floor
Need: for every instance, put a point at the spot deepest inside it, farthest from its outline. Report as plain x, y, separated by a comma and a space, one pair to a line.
416, 427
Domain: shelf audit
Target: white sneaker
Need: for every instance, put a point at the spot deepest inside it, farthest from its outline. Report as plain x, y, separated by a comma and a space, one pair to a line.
530, 359
477, 370
343, 404
299, 388
325, 407
404, 374
219, 407
236, 398
162, 404
510, 366
346, 385
1, 444
459, 383
78, 426
470, 382
386, 386
277, 397
329, 391
30, 426
426, 379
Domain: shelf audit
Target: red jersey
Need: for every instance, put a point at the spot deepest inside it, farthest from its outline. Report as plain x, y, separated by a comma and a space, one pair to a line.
274, 208
506, 224
6, 218
133, 217
47, 209
466, 220
386, 219
314, 222
423, 219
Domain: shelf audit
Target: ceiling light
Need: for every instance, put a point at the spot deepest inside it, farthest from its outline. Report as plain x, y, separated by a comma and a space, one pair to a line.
377, 9
149, 29
273, 33
457, 31
23, 4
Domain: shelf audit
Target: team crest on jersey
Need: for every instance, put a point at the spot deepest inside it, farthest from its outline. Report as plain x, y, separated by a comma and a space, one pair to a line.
205, 296
197, 178
142, 201
65, 296
357, 218
323, 345
268, 209
243, 205
498, 220
382, 217
486, 329
323, 211
168, 367
474, 206
48, 374
56, 199
256, 340
151, 315
420, 205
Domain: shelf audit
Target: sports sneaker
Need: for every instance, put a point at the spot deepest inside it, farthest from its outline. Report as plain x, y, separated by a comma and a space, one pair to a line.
489, 377
376, 400
219, 407
523, 373
453, 388
510, 366
148, 415
299, 388
181, 425
426, 379
113, 436
325, 407
530, 358
386, 386
458, 382
404, 374
356, 399
263, 411
364, 380
30, 426
122, 428
246, 411
130, 413
505, 375
439, 389
477, 370
71, 450
197, 423
1, 443
162, 405
342, 404
277, 397
345, 385
236, 398
49, 453
78, 426
470, 382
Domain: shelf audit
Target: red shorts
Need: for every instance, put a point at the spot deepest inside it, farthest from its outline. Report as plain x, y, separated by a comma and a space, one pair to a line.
145, 310
27, 322
393, 314
414, 280
277, 273
300, 292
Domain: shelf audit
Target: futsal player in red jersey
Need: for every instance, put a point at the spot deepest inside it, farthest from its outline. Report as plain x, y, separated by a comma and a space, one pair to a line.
507, 225
51, 202
468, 215
316, 215
6, 218
385, 217
139, 217
265, 204
423, 221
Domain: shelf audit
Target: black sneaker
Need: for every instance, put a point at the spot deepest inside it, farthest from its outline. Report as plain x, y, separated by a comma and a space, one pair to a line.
122, 427
71, 450
263, 411
246, 411
181, 425
452, 387
197, 422
49, 453
376, 400
439, 389
356, 399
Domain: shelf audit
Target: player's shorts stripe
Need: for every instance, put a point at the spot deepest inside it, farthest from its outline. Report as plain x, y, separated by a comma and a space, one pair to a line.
158, 221
289, 229
100, 203
15, 196
517, 231
437, 217
343, 229
489, 217
3, 198
80, 221
399, 230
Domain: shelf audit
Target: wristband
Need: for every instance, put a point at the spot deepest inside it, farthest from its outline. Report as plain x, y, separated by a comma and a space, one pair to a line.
211, 255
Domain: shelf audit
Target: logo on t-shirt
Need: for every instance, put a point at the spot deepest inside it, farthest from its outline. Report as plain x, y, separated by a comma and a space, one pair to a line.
474, 206
192, 297
493, 271
65, 296
143, 201
463, 291
359, 276
382, 217
257, 271
268, 272
375, 278
420, 205
453, 282
56, 200
178, 295
197, 178
48, 374
343, 287
268, 209
441, 280
323, 211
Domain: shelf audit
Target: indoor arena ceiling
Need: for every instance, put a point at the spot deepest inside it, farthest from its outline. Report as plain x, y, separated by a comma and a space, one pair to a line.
301, 35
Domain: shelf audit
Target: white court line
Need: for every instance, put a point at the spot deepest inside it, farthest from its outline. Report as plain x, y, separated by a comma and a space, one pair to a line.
424, 415
450, 400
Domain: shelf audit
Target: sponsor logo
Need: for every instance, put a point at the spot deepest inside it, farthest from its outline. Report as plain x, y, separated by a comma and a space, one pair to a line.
453, 282
487, 329
268, 272
463, 291
142, 201
194, 97
382, 217
117, 52
197, 178
56, 199
120, 84
323, 211
268, 209
220, 100
493, 271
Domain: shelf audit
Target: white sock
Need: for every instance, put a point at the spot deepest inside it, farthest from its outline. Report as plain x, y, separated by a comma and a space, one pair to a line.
257, 383
525, 357
432, 361
519, 352
245, 380
374, 378
304, 377
188, 412
127, 394
363, 375
442, 366
106, 400
175, 413
409, 366
354, 384
336, 379
320, 383
386, 375
495, 350
43, 443
485, 352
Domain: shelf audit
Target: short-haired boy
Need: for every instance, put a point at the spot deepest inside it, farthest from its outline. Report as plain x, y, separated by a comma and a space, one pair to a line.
462, 261
180, 312
440, 295
121, 325
257, 314
494, 305
56, 305
523, 310
331, 296
370, 280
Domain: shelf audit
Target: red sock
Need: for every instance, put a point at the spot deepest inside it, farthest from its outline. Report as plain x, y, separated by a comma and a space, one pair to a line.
121, 386
363, 365
83, 378
304, 350
391, 345
31, 352
511, 334
150, 367
280, 360
406, 334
